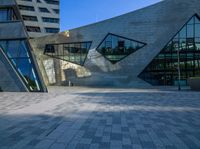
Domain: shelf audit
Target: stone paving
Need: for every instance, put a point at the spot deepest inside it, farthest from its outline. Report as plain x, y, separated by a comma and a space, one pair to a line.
92, 118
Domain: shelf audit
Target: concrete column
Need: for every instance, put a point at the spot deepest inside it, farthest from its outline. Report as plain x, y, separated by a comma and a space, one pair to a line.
58, 74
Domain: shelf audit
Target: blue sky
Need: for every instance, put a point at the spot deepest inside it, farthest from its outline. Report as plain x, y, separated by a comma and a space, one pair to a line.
76, 13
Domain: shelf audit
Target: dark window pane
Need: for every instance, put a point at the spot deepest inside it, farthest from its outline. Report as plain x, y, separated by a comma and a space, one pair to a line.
191, 22
197, 42
197, 20
16, 49
29, 18
45, 10
33, 29
27, 8
7, 14
197, 30
24, 67
182, 33
52, 30
50, 20
190, 30
54, 2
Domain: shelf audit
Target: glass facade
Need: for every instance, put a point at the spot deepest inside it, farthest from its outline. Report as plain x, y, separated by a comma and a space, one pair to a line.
7, 14
17, 52
115, 48
71, 52
163, 70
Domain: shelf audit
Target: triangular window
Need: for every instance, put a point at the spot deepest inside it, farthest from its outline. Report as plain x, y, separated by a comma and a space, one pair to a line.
163, 69
71, 52
115, 48
18, 53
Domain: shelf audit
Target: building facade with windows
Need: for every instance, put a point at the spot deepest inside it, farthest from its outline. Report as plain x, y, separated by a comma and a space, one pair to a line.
18, 67
41, 17
143, 48
140, 49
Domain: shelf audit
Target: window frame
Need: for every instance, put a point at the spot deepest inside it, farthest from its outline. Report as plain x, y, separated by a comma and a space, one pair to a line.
170, 40
82, 42
25, 40
119, 36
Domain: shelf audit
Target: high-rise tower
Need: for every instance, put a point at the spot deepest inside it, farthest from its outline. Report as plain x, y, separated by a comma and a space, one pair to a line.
41, 17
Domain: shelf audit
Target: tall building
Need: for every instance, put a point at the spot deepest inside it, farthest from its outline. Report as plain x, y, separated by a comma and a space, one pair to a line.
41, 17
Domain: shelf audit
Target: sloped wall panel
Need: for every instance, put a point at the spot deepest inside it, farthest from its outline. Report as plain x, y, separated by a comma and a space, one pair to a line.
9, 80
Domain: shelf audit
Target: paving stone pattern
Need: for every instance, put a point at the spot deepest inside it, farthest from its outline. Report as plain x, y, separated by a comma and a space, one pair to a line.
92, 118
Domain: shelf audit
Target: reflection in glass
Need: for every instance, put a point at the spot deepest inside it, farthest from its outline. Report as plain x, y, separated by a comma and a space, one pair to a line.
71, 52
17, 51
163, 69
7, 14
115, 48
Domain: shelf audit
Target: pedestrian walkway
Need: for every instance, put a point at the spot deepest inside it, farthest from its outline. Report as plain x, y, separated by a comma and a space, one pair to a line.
97, 118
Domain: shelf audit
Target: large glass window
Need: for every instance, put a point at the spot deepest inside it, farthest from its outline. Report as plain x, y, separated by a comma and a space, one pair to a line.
17, 52
115, 48
7, 14
163, 69
71, 52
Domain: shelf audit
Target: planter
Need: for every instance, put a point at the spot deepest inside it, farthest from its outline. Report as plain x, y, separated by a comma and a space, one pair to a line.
194, 84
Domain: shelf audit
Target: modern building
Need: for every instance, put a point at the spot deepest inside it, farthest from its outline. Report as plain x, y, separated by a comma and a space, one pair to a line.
18, 67
41, 17
143, 48
138, 49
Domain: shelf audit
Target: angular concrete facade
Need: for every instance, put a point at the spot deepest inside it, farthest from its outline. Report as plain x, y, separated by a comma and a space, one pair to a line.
18, 68
155, 25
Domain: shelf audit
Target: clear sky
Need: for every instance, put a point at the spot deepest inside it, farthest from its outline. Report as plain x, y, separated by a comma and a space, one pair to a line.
76, 13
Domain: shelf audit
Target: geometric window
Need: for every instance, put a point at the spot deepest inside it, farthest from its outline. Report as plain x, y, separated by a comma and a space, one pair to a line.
163, 68
18, 53
115, 48
72, 52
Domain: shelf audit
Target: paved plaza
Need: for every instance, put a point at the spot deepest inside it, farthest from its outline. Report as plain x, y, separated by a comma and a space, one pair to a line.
92, 118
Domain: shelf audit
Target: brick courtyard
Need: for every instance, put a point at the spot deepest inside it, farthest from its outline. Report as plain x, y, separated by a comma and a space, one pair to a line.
92, 118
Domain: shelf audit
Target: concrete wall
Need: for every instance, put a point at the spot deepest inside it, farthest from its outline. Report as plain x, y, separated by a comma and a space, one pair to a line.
154, 25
